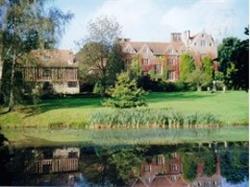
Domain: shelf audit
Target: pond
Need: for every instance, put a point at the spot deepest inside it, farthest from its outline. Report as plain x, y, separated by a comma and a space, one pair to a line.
215, 164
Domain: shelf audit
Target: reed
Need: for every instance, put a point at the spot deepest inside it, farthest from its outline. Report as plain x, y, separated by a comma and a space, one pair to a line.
151, 118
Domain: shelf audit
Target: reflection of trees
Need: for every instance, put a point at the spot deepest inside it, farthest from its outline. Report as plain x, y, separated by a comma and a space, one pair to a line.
207, 157
122, 164
234, 164
189, 162
191, 157
21, 160
4, 159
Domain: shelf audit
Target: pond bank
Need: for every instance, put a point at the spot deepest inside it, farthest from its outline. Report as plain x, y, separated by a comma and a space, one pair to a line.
47, 137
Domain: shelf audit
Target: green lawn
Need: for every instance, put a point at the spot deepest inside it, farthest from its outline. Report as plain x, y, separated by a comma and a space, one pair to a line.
230, 107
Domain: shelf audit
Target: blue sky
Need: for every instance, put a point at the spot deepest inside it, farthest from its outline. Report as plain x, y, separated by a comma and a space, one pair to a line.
154, 20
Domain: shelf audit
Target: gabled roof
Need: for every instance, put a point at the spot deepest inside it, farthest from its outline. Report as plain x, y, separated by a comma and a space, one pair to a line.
53, 57
161, 181
157, 48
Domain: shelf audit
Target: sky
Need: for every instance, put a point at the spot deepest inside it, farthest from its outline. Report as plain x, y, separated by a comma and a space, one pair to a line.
154, 20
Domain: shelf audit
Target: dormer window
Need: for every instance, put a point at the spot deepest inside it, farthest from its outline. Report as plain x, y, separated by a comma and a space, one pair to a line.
46, 58
170, 51
203, 43
145, 61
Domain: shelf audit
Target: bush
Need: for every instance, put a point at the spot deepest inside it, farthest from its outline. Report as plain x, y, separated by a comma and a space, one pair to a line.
160, 85
99, 88
125, 94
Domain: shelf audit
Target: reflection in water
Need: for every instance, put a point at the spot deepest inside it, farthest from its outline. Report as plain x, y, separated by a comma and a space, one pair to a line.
190, 165
163, 173
60, 160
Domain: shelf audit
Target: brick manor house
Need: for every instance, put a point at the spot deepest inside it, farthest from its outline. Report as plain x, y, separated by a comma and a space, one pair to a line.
60, 68
150, 53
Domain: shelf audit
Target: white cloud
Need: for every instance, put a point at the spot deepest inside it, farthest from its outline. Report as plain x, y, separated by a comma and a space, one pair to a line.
139, 19
216, 17
154, 20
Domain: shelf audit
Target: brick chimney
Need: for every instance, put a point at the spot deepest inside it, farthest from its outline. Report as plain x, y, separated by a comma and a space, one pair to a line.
175, 37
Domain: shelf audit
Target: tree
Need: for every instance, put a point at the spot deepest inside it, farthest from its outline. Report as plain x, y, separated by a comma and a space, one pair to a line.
101, 48
198, 78
207, 66
203, 75
187, 66
26, 26
135, 69
115, 65
125, 94
233, 56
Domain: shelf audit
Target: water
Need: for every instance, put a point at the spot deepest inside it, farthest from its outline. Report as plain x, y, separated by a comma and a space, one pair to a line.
216, 164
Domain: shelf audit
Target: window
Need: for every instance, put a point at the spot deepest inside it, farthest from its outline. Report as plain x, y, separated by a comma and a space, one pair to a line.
203, 43
171, 75
46, 58
73, 154
170, 61
46, 73
158, 68
47, 168
145, 61
170, 51
72, 84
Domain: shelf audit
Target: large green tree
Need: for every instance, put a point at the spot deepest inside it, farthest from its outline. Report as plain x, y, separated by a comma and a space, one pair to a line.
26, 25
100, 55
233, 56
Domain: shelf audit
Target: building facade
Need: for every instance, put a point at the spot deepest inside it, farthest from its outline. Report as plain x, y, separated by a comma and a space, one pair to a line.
155, 56
53, 67
162, 172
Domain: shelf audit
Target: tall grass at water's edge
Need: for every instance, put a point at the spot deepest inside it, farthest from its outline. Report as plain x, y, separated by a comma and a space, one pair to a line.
151, 118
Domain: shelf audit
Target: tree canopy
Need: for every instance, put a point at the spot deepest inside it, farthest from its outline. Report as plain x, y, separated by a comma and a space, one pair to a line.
187, 66
100, 55
233, 56
26, 25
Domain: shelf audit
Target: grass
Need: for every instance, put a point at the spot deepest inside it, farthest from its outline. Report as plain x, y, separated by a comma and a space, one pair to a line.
44, 136
230, 108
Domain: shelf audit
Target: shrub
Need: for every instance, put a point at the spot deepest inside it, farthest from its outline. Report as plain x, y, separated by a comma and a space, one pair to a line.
98, 88
159, 85
125, 94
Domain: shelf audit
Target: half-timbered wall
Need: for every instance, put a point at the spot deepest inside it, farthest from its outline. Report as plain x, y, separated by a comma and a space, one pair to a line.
53, 74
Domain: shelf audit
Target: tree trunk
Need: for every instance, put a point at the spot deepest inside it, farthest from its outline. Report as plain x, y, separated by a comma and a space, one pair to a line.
198, 88
11, 95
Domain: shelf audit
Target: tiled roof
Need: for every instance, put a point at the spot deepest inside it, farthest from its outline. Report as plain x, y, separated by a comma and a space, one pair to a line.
52, 57
161, 181
157, 48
